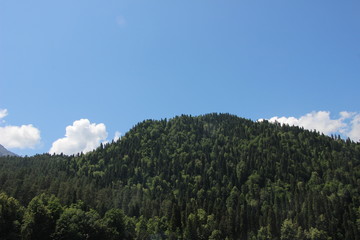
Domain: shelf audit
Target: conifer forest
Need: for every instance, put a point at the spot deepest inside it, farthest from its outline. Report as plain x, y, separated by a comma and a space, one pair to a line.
214, 176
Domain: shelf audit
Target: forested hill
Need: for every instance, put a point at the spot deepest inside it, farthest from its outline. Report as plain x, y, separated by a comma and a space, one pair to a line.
215, 176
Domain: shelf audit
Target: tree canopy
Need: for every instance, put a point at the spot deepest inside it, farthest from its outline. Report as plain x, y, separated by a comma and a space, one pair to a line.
215, 176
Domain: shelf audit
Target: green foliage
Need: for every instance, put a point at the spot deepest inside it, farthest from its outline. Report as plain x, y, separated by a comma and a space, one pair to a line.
115, 224
11, 214
141, 229
264, 233
75, 223
288, 230
316, 234
71, 224
215, 176
40, 217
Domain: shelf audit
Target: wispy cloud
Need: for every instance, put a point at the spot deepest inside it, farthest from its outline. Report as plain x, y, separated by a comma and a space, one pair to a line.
347, 124
3, 113
81, 136
24, 136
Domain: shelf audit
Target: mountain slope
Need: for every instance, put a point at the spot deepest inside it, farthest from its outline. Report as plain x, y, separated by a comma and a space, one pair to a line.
5, 152
209, 177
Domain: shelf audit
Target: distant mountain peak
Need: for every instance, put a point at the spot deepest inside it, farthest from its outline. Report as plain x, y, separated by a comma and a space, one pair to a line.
5, 152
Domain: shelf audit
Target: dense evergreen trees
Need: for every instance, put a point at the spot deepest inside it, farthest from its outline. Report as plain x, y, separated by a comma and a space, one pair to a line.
215, 176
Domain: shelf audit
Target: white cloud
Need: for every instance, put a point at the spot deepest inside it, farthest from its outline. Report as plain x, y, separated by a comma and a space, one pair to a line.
322, 122
24, 136
117, 136
3, 113
354, 133
82, 136
319, 121
345, 115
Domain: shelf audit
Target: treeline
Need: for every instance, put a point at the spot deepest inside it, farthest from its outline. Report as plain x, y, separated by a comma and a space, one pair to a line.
215, 176
45, 218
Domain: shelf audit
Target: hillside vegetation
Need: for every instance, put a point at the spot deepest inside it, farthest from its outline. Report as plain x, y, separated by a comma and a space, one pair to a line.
215, 176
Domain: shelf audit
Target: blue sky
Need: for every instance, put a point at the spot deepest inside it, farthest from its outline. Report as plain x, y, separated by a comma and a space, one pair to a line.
102, 66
